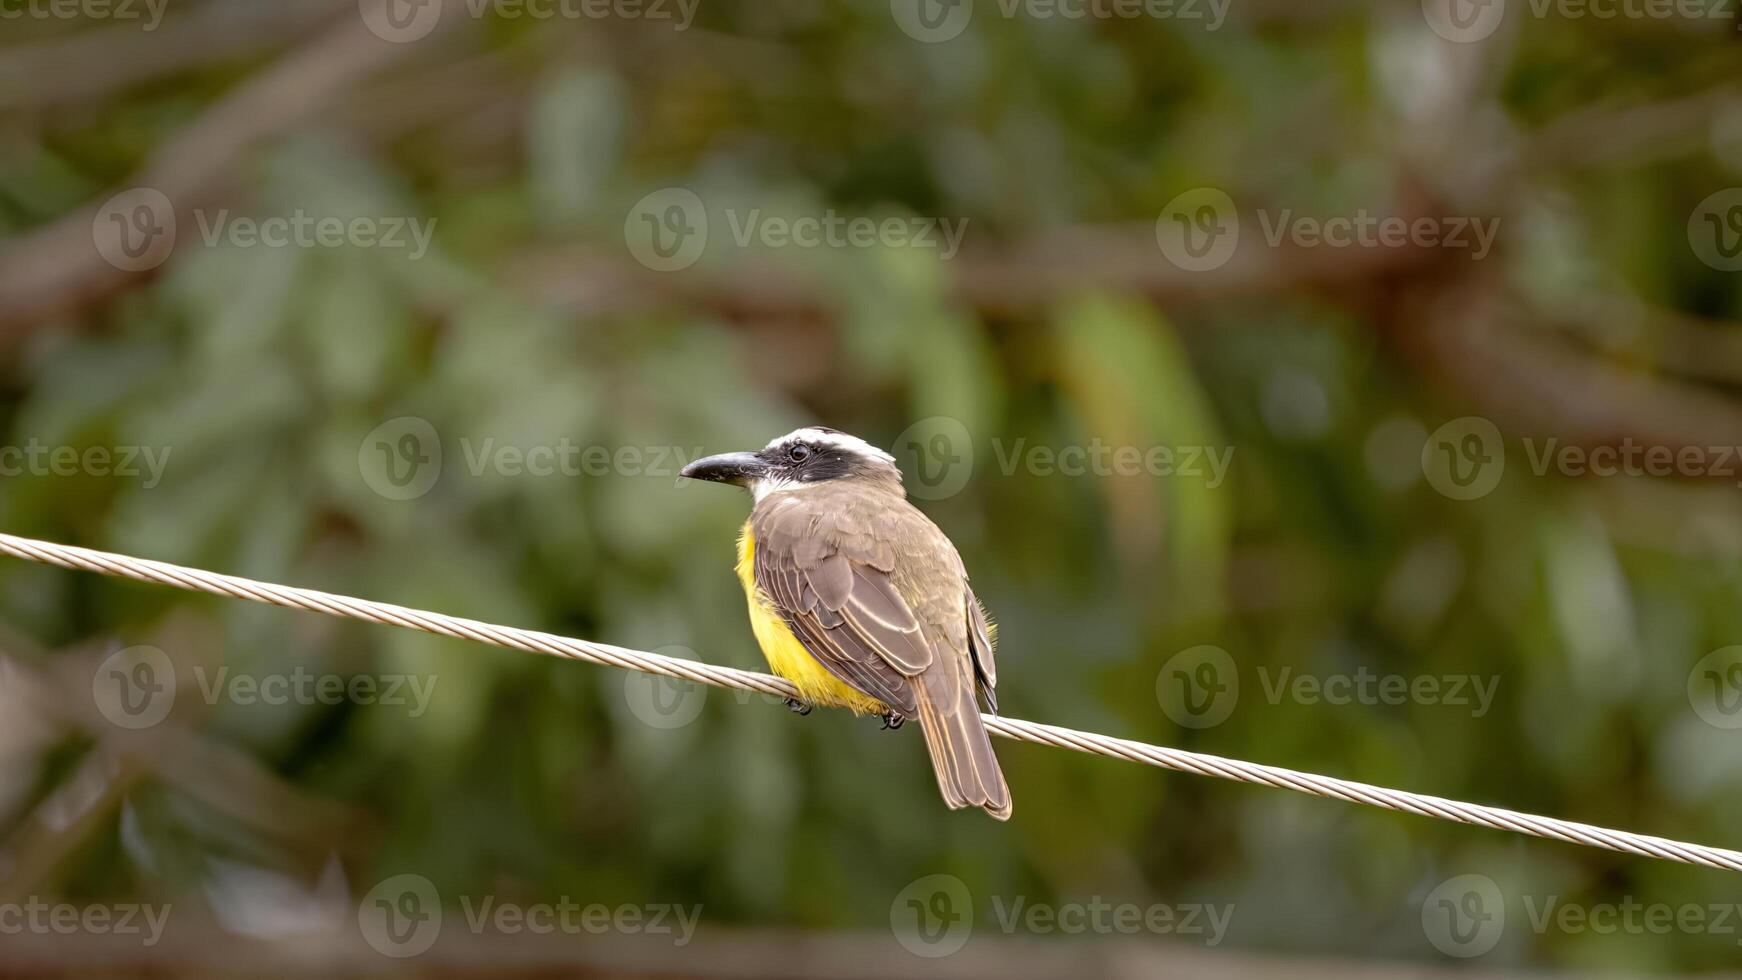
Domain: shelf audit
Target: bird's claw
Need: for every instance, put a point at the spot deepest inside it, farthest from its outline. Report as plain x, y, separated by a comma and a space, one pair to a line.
797, 707
892, 721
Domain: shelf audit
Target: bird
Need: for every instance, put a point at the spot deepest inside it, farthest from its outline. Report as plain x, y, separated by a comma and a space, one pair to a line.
862, 602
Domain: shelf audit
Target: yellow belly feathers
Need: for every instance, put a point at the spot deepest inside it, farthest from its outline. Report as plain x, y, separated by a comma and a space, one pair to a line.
786, 655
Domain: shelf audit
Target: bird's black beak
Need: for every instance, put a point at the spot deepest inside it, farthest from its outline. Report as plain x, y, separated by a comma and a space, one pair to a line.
734, 468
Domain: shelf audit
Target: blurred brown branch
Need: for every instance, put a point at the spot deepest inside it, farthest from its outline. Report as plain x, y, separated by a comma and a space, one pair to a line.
588, 282
1469, 334
57, 270
210, 771
89, 64
1632, 135
740, 956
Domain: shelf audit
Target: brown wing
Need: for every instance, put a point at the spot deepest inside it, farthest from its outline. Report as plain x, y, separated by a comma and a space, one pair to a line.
983, 640
843, 608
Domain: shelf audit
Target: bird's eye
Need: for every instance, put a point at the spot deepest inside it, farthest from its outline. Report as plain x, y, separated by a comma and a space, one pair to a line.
798, 454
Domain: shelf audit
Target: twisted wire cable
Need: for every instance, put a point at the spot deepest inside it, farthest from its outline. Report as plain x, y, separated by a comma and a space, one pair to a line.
195, 580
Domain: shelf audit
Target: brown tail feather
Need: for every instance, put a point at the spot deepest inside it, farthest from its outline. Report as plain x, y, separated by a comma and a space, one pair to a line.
961, 751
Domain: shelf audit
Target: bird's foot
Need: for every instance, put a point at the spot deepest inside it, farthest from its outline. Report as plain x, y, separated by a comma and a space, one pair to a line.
892, 720
797, 707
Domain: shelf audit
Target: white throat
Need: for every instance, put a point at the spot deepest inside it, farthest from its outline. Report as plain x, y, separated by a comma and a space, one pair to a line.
774, 484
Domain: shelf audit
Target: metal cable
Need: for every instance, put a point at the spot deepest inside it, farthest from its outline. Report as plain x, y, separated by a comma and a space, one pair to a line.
195, 580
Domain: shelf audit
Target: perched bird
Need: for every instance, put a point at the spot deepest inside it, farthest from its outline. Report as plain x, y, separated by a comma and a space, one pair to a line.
861, 602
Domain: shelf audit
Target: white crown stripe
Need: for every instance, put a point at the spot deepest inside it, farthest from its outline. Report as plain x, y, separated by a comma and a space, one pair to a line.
840, 440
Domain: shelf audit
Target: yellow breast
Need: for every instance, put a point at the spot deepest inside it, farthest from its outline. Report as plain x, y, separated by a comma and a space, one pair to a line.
786, 655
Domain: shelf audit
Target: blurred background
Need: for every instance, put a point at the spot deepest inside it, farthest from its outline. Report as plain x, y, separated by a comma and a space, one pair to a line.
1347, 386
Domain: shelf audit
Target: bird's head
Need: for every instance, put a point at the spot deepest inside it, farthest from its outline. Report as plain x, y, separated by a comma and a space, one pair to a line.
802, 458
